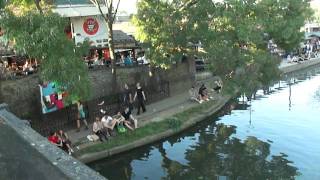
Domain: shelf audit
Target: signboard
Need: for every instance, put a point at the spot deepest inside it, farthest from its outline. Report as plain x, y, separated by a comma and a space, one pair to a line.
92, 28
52, 98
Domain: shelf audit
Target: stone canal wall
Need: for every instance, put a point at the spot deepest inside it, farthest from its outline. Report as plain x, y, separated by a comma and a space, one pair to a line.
300, 66
25, 154
23, 96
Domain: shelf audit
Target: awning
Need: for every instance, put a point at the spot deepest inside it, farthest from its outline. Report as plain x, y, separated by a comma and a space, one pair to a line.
78, 11
121, 50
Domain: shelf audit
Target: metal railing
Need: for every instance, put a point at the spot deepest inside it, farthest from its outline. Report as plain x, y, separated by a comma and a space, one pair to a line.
65, 119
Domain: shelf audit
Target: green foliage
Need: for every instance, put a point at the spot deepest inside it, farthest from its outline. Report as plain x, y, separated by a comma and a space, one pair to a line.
234, 34
2, 4
293, 13
42, 37
165, 29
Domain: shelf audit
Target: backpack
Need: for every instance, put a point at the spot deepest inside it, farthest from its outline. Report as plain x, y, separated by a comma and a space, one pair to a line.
121, 129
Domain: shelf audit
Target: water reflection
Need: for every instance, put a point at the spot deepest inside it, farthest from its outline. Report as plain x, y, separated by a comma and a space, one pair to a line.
216, 154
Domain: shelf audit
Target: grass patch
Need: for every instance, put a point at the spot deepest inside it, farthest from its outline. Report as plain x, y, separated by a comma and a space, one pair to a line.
174, 122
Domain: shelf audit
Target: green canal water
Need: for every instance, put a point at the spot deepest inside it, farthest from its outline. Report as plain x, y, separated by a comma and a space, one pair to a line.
275, 136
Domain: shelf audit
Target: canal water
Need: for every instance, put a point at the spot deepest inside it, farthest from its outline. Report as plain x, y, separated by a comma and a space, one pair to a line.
275, 136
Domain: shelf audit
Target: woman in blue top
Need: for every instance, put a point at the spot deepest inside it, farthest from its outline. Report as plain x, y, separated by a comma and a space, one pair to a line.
81, 116
127, 61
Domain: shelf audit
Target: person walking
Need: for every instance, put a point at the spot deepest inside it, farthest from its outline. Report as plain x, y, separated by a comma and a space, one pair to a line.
81, 116
141, 97
127, 97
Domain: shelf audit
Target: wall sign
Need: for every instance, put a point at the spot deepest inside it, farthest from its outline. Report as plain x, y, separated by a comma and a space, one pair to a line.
91, 26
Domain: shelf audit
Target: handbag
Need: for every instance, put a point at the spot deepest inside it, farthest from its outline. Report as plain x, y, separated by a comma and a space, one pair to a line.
121, 129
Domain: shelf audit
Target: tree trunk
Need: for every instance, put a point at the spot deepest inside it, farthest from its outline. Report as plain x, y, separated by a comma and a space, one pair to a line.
1, 97
37, 2
112, 56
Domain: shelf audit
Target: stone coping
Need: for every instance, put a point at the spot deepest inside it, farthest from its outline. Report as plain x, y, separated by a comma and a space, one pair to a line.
299, 66
67, 165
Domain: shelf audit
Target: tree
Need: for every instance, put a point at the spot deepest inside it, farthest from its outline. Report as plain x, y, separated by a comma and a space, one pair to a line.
28, 4
167, 29
109, 19
41, 36
2, 4
234, 33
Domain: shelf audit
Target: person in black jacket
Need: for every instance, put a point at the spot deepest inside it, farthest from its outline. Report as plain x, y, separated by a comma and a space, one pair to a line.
127, 97
141, 97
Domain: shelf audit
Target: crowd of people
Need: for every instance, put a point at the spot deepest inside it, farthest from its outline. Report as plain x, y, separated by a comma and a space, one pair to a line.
106, 125
203, 93
13, 66
309, 49
101, 57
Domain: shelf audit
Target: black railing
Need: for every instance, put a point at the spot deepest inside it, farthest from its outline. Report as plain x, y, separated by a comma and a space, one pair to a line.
65, 119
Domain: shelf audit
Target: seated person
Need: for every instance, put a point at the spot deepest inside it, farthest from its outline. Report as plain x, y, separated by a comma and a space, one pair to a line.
203, 92
98, 129
129, 119
194, 96
122, 120
295, 59
108, 122
218, 86
54, 139
66, 143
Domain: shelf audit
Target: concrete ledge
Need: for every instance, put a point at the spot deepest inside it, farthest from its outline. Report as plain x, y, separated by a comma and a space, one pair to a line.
60, 163
299, 66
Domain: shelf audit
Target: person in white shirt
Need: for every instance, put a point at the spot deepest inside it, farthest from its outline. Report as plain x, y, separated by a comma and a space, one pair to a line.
98, 129
108, 122
194, 95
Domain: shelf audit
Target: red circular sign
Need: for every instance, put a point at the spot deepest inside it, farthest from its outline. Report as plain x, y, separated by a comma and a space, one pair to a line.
91, 26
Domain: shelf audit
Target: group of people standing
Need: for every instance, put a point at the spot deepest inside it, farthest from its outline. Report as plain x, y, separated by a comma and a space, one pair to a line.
139, 97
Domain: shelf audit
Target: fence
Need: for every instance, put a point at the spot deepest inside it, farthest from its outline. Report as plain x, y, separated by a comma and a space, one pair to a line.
65, 119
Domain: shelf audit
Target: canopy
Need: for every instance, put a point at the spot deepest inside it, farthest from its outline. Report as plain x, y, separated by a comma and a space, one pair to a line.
78, 10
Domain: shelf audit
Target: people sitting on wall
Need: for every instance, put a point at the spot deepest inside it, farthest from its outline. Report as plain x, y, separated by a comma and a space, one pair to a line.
54, 139
122, 121
295, 58
203, 92
218, 86
27, 68
66, 143
99, 130
109, 123
128, 61
129, 119
194, 96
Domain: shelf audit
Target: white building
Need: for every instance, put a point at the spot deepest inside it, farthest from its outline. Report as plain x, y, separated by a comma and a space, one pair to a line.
86, 23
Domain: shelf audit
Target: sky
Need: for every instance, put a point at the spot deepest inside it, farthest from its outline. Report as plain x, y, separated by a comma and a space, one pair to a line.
130, 5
